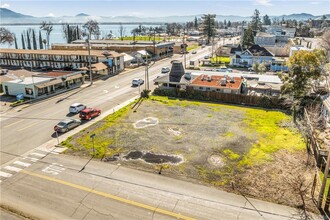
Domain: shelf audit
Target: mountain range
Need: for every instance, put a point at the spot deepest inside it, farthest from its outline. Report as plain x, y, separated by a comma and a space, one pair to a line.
10, 17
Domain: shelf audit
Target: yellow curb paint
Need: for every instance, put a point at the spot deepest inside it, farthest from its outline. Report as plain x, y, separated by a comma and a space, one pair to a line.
107, 195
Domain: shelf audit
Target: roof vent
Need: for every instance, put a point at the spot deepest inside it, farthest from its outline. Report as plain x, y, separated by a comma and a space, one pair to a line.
232, 80
223, 82
187, 76
209, 78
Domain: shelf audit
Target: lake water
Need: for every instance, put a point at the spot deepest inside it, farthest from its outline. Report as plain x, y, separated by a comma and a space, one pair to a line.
56, 35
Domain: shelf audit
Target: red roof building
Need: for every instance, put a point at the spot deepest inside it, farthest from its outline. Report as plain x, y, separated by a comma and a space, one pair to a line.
222, 84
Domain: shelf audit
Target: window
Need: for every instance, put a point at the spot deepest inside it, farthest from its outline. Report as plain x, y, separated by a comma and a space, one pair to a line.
201, 88
208, 89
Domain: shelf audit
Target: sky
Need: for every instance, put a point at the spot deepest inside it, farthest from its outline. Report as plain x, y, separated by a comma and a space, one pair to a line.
162, 8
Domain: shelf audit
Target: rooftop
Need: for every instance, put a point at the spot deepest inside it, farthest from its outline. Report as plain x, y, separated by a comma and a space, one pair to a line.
215, 81
97, 53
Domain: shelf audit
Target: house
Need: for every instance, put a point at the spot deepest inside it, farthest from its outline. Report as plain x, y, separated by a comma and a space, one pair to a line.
158, 49
221, 84
296, 48
252, 55
44, 84
127, 59
265, 39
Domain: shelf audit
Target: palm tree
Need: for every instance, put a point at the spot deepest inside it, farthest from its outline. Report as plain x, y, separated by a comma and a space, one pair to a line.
48, 28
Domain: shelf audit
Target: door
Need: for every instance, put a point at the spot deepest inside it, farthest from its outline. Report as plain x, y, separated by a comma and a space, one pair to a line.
6, 90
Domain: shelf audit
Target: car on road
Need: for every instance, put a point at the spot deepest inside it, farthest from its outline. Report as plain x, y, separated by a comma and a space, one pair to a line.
165, 69
67, 124
194, 52
76, 108
89, 113
206, 57
137, 82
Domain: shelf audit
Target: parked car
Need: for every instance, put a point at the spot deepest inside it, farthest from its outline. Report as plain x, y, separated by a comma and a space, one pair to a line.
194, 52
165, 69
67, 124
137, 82
89, 113
76, 108
206, 57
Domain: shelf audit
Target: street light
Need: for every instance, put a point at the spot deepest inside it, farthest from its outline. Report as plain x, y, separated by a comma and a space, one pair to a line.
89, 61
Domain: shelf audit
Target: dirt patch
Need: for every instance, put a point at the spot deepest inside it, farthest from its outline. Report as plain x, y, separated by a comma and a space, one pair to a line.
220, 144
153, 158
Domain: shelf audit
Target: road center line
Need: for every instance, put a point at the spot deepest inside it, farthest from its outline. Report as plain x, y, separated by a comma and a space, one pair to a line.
14, 123
107, 195
33, 124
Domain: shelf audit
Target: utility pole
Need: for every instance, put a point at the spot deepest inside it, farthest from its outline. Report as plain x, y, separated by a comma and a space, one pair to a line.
184, 51
89, 61
146, 72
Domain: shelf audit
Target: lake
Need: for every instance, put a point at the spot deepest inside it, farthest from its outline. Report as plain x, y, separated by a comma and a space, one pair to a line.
56, 35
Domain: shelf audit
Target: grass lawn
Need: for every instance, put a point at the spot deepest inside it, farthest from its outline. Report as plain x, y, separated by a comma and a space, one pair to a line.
254, 149
192, 47
220, 59
143, 38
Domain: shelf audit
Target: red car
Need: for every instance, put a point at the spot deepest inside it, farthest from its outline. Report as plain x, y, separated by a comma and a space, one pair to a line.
89, 113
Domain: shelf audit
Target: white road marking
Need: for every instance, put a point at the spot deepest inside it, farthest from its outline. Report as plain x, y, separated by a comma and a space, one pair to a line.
22, 163
105, 91
3, 174
116, 87
15, 169
54, 169
37, 154
31, 159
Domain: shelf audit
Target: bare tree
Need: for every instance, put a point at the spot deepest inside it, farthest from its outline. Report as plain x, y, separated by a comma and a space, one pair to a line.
121, 31
325, 42
92, 28
6, 37
48, 28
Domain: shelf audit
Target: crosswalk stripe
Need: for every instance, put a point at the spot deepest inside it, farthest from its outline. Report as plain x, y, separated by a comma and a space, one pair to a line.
22, 163
3, 174
11, 168
33, 159
37, 154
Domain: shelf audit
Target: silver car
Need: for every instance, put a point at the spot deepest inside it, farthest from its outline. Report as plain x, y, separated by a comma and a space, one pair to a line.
67, 124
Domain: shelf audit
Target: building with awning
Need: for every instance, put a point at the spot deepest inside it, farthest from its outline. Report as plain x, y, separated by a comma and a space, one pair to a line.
44, 84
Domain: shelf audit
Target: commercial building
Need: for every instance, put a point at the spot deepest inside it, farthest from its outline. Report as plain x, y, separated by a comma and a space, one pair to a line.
43, 84
61, 59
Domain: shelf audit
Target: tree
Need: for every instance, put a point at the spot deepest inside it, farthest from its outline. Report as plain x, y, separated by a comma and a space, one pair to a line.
71, 33
256, 21
304, 67
262, 68
23, 41
196, 23
40, 41
325, 43
121, 31
266, 20
134, 32
6, 37
255, 67
48, 28
34, 40
248, 38
229, 24
208, 25
28, 39
16, 46
92, 28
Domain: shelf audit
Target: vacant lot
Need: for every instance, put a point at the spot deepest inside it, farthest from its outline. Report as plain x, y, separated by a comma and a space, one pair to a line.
251, 151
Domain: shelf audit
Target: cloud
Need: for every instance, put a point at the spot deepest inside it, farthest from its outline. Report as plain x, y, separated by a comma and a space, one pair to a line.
51, 15
5, 5
263, 2
314, 3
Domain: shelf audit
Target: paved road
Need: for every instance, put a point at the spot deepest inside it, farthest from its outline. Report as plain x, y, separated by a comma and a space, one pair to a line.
30, 127
56, 188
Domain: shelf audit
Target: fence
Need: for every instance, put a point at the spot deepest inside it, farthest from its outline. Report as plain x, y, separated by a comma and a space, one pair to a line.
189, 93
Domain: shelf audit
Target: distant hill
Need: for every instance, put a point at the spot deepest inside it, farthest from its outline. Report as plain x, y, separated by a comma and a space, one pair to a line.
82, 15
10, 17
6, 13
